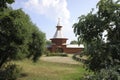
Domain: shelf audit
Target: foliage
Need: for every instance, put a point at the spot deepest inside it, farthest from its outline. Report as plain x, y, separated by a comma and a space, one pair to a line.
74, 42
10, 72
104, 55
37, 45
106, 74
57, 54
90, 28
3, 4
48, 42
19, 37
79, 58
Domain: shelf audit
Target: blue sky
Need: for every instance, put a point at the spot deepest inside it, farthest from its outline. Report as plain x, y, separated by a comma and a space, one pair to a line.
45, 14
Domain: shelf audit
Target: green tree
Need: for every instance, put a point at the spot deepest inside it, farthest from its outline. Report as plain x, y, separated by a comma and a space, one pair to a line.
3, 4
74, 42
48, 42
19, 37
37, 44
89, 29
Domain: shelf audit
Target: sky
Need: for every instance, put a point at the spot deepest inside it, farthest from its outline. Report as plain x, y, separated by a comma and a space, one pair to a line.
45, 14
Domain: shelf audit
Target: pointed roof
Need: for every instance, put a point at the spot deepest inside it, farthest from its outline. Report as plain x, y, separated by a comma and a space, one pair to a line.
58, 22
58, 33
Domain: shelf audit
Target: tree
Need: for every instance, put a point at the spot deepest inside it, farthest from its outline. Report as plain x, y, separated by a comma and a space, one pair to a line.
19, 37
3, 4
37, 44
74, 42
89, 29
48, 42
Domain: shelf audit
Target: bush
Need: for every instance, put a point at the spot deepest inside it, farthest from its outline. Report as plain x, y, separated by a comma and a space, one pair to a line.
57, 54
106, 74
79, 58
10, 72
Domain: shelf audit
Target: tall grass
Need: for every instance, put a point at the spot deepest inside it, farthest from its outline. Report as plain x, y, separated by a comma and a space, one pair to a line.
50, 71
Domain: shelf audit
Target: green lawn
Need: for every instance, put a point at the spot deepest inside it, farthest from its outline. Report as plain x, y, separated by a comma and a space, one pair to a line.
50, 71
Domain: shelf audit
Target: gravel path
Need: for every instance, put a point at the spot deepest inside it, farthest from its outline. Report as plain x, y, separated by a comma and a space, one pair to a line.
59, 59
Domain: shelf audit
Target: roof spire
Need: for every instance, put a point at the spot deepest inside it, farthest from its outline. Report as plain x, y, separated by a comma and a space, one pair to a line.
58, 22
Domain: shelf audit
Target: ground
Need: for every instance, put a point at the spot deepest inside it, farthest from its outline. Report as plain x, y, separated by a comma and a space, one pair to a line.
52, 68
58, 59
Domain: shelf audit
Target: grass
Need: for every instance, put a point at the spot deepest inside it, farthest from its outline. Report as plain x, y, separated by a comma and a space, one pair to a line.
43, 70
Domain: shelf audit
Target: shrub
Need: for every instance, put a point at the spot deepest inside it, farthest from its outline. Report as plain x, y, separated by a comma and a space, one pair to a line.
79, 58
57, 54
10, 72
106, 74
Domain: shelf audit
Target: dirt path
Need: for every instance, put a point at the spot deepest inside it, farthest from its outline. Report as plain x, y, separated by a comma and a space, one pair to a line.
59, 59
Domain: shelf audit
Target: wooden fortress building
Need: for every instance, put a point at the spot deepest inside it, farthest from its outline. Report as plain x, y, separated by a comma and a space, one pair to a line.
59, 43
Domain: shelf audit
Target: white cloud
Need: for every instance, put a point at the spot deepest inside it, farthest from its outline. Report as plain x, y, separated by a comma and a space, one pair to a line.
52, 9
